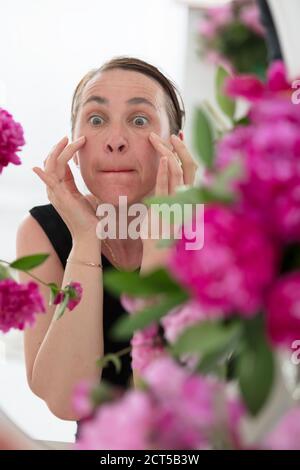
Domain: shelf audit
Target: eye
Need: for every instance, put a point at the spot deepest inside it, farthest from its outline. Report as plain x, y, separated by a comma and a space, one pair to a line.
95, 120
139, 118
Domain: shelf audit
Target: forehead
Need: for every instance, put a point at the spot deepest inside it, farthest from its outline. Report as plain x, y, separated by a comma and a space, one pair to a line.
120, 85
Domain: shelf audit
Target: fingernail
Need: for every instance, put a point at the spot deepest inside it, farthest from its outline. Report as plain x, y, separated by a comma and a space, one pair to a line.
152, 134
81, 138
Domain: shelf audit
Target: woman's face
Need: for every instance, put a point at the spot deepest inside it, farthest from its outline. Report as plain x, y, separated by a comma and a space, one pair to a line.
117, 112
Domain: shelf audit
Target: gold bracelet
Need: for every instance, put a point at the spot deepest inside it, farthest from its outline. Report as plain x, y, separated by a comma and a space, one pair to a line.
78, 261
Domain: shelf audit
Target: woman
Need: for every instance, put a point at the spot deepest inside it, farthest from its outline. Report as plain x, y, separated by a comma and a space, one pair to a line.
114, 110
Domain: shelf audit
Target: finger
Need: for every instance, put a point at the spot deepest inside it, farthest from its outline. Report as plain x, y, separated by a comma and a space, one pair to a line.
175, 173
162, 178
189, 166
67, 154
50, 161
49, 179
175, 170
155, 139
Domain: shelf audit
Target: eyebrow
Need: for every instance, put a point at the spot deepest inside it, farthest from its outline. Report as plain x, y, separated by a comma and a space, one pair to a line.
131, 101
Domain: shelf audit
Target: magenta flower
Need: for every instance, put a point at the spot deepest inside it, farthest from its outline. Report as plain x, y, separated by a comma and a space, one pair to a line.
286, 435
19, 303
74, 289
269, 152
233, 269
253, 89
11, 139
283, 310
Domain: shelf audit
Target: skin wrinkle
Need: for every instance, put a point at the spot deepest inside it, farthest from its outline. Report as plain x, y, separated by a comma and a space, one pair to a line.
117, 139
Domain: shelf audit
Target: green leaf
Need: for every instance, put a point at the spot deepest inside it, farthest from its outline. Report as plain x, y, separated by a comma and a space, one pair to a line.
227, 105
132, 283
4, 273
29, 262
62, 306
127, 325
105, 360
207, 338
188, 196
203, 138
103, 393
255, 368
54, 289
221, 356
243, 121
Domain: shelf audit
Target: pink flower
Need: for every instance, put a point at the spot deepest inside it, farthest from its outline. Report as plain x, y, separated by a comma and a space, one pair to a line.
81, 398
207, 29
286, 435
194, 410
250, 16
178, 411
182, 317
233, 269
11, 139
158, 374
283, 310
132, 304
18, 304
74, 289
146, 346
122, 425
253, 89
220, 16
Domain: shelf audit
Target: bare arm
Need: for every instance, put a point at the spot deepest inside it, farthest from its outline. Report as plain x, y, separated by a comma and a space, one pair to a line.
59, 353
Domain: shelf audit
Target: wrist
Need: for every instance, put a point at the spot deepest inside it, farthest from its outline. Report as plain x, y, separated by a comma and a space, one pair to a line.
87, 249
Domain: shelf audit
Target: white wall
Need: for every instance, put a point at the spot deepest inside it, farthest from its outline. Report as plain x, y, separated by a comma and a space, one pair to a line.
46, 47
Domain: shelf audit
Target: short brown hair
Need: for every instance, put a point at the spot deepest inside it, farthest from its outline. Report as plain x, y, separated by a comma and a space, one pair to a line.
174, 102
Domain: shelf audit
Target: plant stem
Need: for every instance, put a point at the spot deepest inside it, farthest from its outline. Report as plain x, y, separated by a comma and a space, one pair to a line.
27, 272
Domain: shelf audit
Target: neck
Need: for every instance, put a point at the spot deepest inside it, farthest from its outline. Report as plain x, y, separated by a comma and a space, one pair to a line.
127, 251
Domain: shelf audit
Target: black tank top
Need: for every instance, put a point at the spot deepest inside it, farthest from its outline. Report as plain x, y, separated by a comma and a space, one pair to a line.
60, 237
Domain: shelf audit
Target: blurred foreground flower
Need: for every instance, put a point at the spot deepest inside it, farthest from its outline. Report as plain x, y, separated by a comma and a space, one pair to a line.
175, 410
234, 268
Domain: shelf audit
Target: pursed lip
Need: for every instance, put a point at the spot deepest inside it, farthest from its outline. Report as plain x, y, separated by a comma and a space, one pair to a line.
117, 171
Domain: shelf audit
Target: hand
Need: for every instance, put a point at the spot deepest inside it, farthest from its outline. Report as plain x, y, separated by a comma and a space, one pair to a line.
176, 167
76, 211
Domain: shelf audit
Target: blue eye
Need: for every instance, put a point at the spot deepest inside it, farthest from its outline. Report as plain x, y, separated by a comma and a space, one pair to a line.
95, 120
140, 117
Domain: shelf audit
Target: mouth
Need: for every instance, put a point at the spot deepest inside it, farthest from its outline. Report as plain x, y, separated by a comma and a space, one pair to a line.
117, 171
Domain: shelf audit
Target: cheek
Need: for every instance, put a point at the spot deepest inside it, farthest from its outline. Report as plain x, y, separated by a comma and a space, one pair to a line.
148, 161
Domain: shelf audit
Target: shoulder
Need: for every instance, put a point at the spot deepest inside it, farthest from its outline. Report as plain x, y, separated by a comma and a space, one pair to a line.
30, 230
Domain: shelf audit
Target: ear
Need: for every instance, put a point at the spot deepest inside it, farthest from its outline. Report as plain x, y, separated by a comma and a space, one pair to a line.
180, 135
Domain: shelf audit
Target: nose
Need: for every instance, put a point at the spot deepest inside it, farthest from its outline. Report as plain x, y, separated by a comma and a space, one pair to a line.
115, 143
